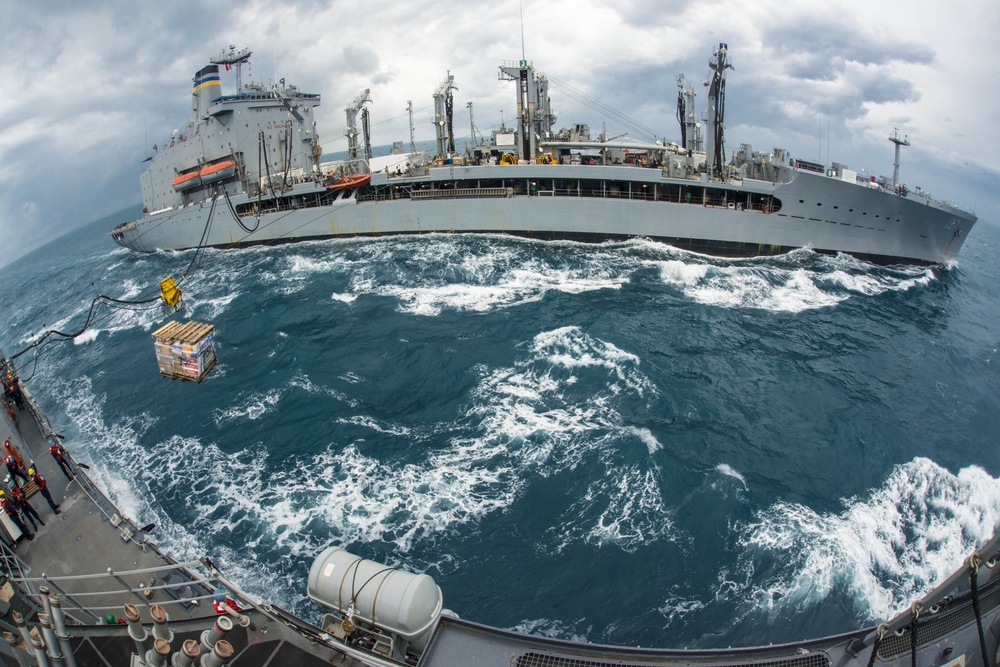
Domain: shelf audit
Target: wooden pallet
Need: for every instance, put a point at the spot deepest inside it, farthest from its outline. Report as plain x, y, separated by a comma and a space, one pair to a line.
188, 332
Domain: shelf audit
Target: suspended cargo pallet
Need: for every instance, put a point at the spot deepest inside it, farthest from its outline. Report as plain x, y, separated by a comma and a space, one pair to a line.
185, 351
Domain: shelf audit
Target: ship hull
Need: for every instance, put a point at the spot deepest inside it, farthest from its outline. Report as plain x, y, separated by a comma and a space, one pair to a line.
812, 211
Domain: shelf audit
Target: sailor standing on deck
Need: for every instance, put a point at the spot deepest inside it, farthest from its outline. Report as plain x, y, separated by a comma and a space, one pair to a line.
8, 506
42, 484
21, 500
61, 456
15, 469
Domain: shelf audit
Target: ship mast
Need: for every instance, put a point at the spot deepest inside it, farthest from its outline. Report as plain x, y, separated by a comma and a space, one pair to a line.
352, 129
409, 110
443, 107
234, 59
905, 141
690, 129
716, 111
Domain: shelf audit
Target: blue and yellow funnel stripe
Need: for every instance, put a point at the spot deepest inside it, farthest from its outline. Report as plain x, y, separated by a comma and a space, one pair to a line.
207, 77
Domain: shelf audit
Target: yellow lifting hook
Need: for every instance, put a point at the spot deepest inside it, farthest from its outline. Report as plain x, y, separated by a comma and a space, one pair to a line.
170, 292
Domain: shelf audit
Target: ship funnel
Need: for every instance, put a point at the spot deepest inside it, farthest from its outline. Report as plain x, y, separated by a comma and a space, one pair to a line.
207, 87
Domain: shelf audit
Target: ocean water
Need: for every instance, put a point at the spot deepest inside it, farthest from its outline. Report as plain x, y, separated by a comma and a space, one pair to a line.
622, 443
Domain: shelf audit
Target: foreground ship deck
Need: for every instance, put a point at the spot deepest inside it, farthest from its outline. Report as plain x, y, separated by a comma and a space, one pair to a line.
91, 561
259, 185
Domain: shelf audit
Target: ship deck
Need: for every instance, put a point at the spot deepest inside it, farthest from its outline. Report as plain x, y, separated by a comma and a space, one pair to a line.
96, 560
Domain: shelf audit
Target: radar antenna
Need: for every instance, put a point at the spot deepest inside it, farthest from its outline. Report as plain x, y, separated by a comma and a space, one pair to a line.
234, 59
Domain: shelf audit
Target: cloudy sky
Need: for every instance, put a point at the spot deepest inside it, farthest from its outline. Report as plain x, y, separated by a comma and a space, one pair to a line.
91, 87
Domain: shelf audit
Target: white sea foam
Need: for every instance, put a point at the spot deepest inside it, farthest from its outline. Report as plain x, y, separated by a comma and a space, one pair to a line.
212, 308
676, 607
251, 405
783, 284
553, 628
344, 298
676, 272
883, 551
726, 469
368, 422
303, 382
524, 422
301, 264
644, 434
86, 337
630, 510
451, 277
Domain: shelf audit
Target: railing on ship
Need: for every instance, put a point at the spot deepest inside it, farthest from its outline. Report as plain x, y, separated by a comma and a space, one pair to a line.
109, 591
535, 189
87, 600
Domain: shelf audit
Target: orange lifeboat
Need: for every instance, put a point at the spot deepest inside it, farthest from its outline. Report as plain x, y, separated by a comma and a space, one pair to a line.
218, 170
187, 179
353, 181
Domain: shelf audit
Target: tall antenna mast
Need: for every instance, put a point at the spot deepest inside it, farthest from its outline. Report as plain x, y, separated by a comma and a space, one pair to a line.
409, 110
472, 123
520, 5
905, 141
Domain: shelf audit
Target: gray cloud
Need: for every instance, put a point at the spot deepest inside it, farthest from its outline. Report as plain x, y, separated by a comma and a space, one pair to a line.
361, 58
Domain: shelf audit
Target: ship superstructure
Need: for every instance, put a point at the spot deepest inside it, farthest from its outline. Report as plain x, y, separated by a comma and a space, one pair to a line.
260, 138
251, 163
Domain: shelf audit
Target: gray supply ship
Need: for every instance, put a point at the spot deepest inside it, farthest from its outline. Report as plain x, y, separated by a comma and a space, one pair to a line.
247, 170
88, 587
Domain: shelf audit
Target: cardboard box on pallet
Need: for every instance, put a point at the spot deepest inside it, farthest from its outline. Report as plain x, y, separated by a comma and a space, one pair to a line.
185, 351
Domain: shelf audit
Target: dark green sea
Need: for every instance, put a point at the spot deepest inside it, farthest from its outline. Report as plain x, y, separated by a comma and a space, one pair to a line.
623, 443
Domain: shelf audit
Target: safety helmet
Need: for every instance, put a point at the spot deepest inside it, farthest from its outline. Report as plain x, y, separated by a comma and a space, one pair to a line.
31, 471
1, 492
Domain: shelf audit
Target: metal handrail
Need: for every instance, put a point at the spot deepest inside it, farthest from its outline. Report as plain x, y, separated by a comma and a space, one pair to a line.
98, 575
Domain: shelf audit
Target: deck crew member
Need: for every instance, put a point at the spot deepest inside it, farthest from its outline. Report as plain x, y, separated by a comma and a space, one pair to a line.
61, 456
15, 469
21, 499
8, 506
42, 488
